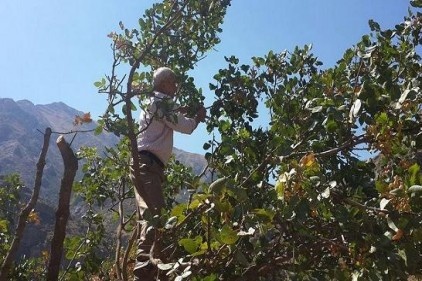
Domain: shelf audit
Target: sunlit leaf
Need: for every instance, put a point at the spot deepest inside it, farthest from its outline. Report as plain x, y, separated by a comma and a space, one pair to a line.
279, 188
326, 193
218, 185
34, 217
354, 110
263, 213
415, 189
307, 160
228, 235
3, 225
391, 224
416, 3
165, 266
190, 245
171, 222
384, 203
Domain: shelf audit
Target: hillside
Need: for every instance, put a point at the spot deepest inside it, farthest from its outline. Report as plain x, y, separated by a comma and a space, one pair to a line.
21, 127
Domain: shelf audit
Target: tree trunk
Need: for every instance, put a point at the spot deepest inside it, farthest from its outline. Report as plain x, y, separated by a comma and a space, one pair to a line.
10, 257
62, 214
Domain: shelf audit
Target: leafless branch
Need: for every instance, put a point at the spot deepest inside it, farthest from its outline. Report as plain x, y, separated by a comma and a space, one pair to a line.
62, 214
10, 257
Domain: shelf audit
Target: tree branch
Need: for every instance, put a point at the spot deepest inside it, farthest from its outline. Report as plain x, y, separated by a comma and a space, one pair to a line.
10, 257
62, 214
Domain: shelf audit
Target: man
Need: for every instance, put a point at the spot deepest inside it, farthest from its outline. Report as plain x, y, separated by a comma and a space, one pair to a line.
155, 144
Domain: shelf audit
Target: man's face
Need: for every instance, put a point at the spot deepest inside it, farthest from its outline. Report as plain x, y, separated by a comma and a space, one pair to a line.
171, 86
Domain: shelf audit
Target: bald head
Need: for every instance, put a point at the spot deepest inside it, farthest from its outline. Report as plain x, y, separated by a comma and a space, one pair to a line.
165, 81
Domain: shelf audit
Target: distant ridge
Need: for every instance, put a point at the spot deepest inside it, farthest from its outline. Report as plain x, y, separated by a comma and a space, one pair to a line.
21, 127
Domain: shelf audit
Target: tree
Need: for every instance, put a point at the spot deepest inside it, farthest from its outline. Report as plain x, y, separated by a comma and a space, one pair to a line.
63, 210
333, 178
26, 211
172, 33
329, 188
330, 204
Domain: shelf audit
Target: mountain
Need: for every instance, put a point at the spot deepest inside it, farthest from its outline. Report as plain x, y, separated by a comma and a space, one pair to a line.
22, 125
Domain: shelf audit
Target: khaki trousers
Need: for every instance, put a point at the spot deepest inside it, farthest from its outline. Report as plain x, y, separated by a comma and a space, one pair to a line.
151, 179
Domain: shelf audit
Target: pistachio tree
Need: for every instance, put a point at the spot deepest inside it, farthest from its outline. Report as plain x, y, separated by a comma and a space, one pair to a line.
172, 33
329, 187
317, 168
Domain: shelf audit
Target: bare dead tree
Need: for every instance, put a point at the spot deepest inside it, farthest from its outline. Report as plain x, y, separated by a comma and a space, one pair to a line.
10, 257
63, 210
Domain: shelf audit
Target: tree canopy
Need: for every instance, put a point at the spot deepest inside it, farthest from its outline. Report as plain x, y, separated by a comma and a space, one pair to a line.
330, 188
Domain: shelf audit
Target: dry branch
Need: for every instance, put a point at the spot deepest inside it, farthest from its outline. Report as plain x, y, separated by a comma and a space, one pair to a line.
7, 263
62, 214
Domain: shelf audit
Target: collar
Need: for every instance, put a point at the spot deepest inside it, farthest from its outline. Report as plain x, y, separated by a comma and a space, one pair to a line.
161, 95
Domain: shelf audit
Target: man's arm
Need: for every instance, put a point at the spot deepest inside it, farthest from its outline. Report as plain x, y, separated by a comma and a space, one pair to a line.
187, 125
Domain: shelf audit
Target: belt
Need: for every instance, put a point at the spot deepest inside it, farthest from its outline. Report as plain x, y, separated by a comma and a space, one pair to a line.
152, 156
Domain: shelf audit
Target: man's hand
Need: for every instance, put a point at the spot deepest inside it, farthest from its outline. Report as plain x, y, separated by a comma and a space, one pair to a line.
183, 109
201, 114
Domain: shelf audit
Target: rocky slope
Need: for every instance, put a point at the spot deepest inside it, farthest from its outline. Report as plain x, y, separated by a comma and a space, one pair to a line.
22, 125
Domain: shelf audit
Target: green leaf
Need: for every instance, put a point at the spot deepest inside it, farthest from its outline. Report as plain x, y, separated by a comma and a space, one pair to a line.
382, 118
179, 212
190, 245
211, 277
218, 185
3, 225
132, 106
279, 189
267, 215
316, 109
241, 258
414, 172
331, 126
380, 186
374, 25
416, 3
228, 235
206, 146
98, 130
100, 84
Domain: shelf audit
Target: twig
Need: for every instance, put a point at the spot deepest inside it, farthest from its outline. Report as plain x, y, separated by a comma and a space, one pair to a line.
74, 256
73, 132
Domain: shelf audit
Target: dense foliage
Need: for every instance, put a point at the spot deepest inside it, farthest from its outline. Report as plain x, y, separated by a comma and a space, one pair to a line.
317, 171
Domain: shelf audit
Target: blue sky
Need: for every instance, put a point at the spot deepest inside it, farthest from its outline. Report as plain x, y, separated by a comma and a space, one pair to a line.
55, 50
